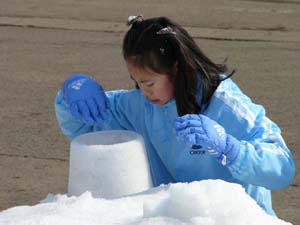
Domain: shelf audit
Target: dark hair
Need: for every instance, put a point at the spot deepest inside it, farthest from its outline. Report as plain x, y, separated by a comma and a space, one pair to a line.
176, 54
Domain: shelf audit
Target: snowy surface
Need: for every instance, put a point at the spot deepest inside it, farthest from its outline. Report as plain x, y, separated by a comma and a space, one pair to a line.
210, 202
117, 164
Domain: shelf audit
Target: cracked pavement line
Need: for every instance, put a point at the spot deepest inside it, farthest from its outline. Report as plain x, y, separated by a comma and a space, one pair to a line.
32, 157
255, 35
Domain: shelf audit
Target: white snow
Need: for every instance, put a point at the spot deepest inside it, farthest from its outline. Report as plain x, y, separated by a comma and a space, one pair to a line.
209, 202
109, 164
99, 162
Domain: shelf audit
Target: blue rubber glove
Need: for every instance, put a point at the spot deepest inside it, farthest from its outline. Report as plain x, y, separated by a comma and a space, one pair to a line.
206, 133
85, 98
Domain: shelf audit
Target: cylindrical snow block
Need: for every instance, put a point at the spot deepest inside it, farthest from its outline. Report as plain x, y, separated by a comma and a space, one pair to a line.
109, 164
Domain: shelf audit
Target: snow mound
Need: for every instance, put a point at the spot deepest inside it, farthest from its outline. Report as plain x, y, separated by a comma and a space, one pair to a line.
209, 202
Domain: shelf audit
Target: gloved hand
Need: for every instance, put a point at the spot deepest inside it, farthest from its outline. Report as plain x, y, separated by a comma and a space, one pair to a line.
85, 98
201, 130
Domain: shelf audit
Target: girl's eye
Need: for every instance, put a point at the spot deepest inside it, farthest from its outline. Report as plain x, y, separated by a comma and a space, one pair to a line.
149, 85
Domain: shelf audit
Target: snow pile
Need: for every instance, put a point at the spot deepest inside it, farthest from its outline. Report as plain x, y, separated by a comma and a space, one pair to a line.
210, 202
110, 164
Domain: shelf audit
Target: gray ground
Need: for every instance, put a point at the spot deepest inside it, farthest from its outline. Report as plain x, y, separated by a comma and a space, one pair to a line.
42, 42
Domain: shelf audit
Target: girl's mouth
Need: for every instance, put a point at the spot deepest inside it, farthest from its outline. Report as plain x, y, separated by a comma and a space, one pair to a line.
155, 101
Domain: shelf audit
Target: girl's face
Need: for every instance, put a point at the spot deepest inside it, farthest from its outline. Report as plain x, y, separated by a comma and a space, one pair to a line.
156, 87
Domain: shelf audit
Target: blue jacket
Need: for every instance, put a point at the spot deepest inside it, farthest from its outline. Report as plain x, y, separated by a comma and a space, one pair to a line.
264, 163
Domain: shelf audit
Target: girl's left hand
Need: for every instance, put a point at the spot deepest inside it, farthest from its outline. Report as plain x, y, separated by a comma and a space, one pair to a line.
201, 130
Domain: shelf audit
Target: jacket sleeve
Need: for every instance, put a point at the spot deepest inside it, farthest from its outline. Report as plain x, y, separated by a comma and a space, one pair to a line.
122, 114
264, 159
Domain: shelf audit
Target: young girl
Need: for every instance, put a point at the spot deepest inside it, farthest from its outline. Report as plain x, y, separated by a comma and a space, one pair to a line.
196, 122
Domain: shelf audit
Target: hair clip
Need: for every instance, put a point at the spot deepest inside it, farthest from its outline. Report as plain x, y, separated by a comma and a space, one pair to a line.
166, 30
162, 51
132, 19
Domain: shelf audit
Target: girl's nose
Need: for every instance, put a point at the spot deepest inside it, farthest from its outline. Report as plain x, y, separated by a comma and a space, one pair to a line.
147, 93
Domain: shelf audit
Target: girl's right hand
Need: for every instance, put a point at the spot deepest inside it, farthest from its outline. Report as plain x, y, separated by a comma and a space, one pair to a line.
86, 99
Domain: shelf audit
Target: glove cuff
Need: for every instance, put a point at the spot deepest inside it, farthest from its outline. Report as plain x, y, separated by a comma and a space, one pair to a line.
232, 149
